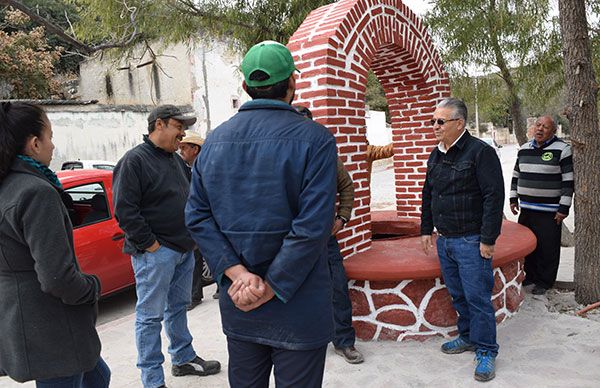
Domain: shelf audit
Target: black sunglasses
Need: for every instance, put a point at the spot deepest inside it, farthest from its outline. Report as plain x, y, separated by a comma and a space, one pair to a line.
441, 121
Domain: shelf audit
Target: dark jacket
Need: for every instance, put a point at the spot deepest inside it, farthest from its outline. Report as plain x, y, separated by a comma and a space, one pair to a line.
47, 306
463, 192
150, 188
263, 195
345, 189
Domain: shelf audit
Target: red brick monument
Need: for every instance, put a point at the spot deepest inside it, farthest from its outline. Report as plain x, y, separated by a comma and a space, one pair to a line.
396, 290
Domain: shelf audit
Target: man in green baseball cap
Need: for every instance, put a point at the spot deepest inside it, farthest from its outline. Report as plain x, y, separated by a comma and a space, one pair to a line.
268, 69
268, 175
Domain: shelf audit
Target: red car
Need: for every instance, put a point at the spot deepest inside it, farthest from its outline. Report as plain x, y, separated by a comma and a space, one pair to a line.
97, 236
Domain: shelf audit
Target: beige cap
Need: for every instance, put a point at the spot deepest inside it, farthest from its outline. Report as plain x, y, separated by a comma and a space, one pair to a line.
193, 137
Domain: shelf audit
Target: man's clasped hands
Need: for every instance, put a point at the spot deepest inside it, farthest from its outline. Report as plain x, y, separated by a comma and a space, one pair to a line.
248, 291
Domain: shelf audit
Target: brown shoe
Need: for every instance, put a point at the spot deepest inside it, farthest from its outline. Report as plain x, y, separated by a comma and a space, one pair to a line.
350, 354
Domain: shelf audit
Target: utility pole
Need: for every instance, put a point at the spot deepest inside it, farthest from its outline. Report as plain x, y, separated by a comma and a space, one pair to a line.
476, 111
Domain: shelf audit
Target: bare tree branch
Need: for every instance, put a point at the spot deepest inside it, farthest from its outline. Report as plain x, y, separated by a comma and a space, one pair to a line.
69, 21
60, 33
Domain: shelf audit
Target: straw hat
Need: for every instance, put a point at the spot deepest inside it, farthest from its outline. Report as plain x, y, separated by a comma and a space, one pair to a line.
193, 138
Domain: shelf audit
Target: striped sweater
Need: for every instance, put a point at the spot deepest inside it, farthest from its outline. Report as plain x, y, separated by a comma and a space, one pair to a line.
543, 177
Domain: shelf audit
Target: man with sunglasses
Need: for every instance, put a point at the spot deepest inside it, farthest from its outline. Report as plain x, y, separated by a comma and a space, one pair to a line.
463, 197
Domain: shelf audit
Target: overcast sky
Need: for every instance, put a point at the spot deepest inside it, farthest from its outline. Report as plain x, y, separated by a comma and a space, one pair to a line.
418, 6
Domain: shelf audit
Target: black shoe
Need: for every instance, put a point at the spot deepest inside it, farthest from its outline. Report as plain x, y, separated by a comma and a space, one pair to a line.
350, 354
216, 295
538, 290
197, 367
194, 304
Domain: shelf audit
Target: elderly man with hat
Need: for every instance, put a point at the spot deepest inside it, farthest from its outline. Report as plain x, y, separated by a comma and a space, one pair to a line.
189, 149
150, 186
261, 209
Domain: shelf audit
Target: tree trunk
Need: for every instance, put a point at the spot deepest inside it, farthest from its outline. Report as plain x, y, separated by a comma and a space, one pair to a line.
582, 111
516, 112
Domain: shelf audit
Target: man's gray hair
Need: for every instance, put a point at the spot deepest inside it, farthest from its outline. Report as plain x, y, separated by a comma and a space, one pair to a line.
458, 107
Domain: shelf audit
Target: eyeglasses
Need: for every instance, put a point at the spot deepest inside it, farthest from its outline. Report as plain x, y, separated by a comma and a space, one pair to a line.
441, 121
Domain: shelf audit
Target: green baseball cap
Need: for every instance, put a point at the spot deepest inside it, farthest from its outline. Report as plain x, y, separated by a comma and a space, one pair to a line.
271, 57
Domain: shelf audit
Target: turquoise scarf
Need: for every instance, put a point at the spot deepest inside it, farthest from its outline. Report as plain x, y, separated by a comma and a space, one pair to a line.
43, 169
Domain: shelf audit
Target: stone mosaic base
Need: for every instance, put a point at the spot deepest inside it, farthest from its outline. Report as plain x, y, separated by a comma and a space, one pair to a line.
418, 309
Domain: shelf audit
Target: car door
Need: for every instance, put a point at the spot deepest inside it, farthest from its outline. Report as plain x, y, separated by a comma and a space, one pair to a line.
98, 238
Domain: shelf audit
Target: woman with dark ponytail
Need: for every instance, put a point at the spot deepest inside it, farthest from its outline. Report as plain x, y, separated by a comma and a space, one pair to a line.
48, 308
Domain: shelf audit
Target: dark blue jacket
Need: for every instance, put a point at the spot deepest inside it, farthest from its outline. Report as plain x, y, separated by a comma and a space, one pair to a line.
263, 195
463, 192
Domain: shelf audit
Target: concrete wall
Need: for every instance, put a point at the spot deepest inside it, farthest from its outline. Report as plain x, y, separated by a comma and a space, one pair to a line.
216, 78
378, 132
95, 132
203, 75
167, 81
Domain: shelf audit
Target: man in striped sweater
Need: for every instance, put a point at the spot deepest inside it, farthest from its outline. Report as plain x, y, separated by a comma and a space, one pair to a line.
542, 189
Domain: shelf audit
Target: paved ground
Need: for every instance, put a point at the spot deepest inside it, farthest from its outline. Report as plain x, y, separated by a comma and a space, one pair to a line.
537, 348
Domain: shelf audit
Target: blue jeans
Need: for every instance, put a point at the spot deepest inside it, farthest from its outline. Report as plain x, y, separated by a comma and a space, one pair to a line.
470, 280
99, 377
164, 287
342, 307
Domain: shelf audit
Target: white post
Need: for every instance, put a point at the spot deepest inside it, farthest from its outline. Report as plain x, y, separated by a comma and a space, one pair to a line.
476, 111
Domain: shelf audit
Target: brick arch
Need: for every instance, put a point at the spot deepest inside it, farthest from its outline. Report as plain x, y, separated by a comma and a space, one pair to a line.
334, 49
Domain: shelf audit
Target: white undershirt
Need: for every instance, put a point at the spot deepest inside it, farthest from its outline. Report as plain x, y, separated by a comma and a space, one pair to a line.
443, 149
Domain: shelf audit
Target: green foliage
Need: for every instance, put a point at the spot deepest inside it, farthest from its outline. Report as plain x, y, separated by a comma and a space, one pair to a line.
515, 38
490, 94
245, 22
473, 30
375, 95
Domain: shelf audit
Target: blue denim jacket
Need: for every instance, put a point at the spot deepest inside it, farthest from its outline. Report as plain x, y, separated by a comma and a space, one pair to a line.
463, 192
263, 195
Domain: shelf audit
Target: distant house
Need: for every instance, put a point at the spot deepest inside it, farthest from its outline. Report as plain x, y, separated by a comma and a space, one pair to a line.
116, 95
203, 77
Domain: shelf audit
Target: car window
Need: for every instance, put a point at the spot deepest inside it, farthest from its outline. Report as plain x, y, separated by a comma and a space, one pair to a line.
104, 167
72, 166
90, 204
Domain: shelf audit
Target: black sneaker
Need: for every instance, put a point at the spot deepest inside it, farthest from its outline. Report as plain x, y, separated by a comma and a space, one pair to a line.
538, 290
350, 354
194, 304
527, 282
216, 295
197, 367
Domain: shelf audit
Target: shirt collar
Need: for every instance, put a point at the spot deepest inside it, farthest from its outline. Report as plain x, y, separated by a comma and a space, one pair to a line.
155, 147
534, 143
443, 149
263, 103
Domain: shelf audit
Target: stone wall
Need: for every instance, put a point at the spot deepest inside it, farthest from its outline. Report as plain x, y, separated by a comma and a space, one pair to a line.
419, 309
